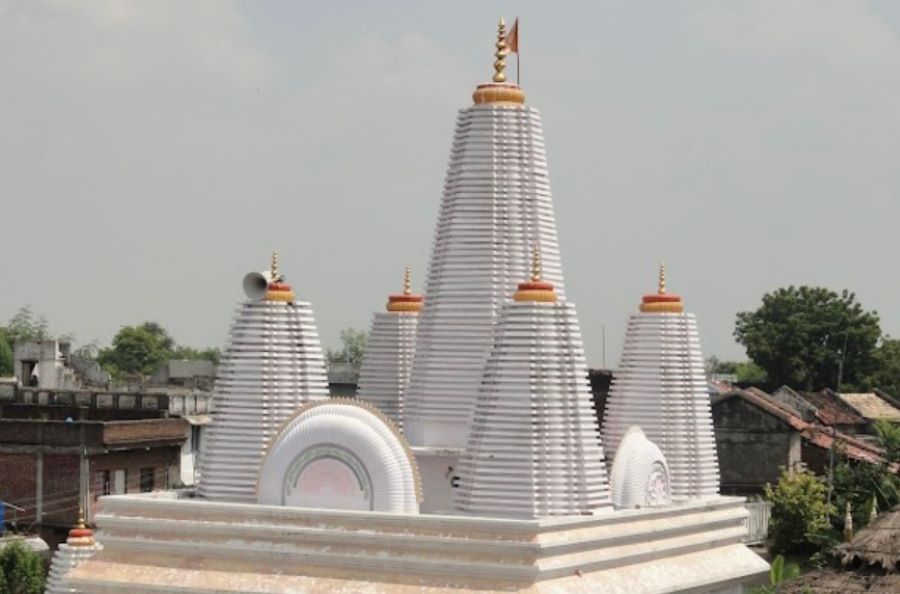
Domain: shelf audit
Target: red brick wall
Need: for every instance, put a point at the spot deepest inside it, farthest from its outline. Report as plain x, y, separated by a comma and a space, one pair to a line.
61, 480
17, 484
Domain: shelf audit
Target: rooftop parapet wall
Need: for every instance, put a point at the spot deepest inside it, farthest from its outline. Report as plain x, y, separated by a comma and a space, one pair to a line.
153, 543
176, 402
92, 434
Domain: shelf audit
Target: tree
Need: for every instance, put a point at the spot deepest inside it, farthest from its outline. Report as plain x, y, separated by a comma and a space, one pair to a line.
799, 512
805, 337
745, 372
886, 375
25, 326
21, 570
6, 354
137, 349
192, 354
354, 347
143, 349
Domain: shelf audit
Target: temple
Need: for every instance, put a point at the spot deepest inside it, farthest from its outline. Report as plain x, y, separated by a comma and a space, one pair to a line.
384, 372
661, 386
498, 481
271, 366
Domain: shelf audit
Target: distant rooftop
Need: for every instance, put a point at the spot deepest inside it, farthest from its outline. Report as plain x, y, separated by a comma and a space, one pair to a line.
872, 406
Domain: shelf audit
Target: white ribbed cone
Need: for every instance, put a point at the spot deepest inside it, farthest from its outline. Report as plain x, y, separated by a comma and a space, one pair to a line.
660, 386
272, 365
384, 373
65, 559
534, 449
495, 212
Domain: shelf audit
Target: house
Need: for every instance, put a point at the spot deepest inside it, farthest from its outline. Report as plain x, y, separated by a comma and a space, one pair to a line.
873, 406
61, 449
757, 434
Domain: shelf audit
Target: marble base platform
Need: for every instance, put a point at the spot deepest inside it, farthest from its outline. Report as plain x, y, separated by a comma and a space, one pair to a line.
159, 543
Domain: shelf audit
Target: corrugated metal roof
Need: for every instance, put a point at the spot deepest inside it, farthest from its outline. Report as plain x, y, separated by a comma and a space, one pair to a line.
872, 406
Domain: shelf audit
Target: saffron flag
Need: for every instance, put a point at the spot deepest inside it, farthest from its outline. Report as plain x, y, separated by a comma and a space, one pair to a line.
512, 39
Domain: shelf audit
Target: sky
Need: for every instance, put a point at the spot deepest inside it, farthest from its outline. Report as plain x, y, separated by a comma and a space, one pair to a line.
153, 152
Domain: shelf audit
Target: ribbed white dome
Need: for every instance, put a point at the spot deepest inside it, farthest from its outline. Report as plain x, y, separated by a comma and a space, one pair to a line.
340, 454
534, 449
384, 373
495, 211
640, 475
661, 387
272, 365
66, 558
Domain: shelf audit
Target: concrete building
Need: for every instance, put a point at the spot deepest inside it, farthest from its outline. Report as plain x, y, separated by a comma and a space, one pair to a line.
50, 364
62, 450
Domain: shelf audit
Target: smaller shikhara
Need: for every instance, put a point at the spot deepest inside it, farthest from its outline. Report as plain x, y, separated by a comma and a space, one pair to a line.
660, 386
534, 449
272, 365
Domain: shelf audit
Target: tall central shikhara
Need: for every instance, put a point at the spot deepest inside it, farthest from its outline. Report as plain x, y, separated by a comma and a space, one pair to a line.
496, 210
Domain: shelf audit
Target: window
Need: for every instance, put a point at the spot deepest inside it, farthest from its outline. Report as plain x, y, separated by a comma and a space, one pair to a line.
102, 483
195, 439
146, 480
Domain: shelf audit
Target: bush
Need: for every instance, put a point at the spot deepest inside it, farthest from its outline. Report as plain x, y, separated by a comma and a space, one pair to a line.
799, 512
21, 570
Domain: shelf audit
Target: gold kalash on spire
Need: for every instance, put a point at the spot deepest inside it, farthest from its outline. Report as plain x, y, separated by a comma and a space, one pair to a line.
499, 92
662, 302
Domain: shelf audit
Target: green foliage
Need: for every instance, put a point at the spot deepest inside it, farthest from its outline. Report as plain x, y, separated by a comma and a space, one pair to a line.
886, 374
25, 326
744, 371
143, 349
6, 354
354, 347
779, 572
21, 570
889, 439
192, 354
799, 512
798, 336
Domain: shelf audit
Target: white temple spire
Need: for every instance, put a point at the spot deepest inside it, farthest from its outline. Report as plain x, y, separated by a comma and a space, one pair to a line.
534, 449
271, 366
384, 372
495, 211
660, 386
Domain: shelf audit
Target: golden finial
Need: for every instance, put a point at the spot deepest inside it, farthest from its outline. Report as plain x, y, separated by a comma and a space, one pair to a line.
407, 282
535, 265
662, 278
500, 62
274, 270
80, 516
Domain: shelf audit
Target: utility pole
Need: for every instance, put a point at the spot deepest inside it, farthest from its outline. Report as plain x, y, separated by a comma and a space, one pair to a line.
840, 379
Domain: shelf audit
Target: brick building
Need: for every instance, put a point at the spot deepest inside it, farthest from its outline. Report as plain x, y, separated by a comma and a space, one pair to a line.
58, 448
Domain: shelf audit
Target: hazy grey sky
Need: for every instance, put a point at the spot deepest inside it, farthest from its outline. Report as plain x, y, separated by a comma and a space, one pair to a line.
153, 152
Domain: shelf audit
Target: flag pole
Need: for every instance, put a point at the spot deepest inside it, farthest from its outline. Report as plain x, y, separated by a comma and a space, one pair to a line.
518, 55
